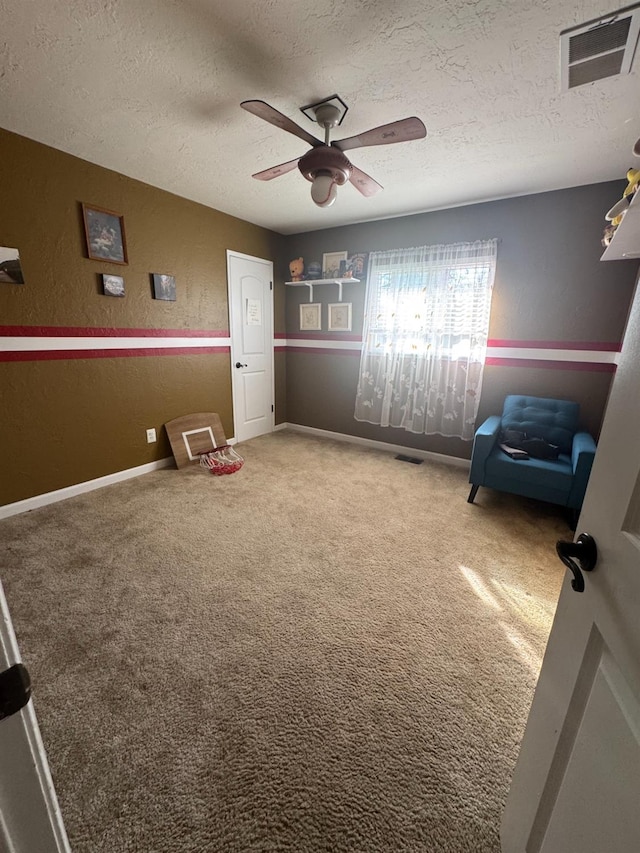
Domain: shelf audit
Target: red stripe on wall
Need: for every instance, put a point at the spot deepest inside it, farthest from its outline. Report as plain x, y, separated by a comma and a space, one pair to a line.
594, 367
57, 355
98, 332
594, 346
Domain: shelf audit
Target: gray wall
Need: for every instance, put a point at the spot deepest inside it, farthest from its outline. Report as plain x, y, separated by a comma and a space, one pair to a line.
550, 286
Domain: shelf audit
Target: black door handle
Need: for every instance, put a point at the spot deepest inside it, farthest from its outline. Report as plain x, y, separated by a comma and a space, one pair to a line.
239, 364
585, 552
15, 689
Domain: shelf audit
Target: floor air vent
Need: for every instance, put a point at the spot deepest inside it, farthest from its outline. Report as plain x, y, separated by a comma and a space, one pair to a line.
411, 459
599, 49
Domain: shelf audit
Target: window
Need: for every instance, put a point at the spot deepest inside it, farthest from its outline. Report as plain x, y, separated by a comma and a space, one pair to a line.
426, 327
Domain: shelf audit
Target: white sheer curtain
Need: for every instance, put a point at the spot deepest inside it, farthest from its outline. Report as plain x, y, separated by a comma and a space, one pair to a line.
425, 337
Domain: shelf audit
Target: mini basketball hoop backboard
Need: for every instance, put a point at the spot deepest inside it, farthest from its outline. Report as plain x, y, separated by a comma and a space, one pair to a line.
191, 435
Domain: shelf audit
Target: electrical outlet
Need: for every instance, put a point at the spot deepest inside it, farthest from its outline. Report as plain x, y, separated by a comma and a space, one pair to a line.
151, 436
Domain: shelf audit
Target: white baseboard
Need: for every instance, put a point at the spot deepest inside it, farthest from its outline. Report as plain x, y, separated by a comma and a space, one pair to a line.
378, 445
71, 491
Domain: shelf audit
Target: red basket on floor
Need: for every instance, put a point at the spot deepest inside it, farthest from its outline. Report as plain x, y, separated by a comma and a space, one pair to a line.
222, 460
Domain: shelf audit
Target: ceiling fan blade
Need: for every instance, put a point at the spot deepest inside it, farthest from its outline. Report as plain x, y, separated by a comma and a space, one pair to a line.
276, 171
364, 183
397, 131
268, 113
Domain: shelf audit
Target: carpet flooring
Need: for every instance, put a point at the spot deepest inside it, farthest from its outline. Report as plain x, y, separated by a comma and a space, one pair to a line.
327, 651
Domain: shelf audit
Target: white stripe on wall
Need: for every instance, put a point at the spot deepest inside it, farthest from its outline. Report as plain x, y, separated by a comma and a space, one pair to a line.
598, 356
531, 353
314, 344
40, 344
44, 344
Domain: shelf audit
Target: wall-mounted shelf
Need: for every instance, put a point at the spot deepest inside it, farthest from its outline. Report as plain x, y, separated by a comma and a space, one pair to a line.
319, 281
625, 243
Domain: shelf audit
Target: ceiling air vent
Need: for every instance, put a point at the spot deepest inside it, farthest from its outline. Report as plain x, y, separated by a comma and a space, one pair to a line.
599, 49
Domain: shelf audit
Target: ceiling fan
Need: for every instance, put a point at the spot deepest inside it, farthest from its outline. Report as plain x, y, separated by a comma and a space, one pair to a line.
326, 165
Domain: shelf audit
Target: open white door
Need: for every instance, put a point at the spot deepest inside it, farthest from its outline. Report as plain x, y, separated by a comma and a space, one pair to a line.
30, 819
576, 787
250, 283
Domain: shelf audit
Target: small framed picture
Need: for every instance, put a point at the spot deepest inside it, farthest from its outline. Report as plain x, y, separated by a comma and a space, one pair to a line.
340, 317
104, 231
357, 266
334, 264
10, 267
113, 285
310, 317
164, 287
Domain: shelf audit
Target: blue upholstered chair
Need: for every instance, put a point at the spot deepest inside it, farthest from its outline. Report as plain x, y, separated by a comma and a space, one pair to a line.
559, 481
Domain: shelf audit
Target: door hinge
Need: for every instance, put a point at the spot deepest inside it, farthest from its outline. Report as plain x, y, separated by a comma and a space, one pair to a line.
270, 285
15, 689
272, 407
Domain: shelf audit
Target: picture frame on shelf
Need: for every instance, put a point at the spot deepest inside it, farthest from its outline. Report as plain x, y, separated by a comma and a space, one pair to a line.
104, 233
164, 287
331, 262
340, 316
310, 317
112, 285
357, 266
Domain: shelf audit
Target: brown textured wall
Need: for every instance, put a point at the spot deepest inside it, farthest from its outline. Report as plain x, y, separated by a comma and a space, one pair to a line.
88, 417
550, 286
67, 421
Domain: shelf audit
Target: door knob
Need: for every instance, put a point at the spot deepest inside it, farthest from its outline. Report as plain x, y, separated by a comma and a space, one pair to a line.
15, 689
584, 550
239, 364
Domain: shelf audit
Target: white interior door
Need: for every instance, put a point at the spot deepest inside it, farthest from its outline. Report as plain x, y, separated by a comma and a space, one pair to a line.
250, 283
576, 787
30, 819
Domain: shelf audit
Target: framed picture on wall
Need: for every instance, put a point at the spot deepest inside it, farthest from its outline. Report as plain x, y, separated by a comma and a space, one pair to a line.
164, 287
334, 264
10, 267
340, 317
104, 231
310, 317
113, 285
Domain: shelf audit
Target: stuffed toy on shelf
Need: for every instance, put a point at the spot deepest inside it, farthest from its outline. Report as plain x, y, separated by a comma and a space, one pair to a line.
616, 214
296, 269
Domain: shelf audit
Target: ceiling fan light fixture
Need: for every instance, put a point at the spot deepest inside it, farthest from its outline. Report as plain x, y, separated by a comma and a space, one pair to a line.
326, 160
324, 189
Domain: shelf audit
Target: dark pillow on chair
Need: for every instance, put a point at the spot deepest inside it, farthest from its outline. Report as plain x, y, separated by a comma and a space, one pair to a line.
513, 437
539, 448
536, 447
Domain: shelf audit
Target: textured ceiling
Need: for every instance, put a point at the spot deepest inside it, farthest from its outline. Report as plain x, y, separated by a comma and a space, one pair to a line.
152, 90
